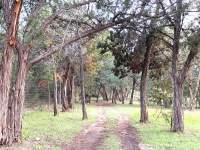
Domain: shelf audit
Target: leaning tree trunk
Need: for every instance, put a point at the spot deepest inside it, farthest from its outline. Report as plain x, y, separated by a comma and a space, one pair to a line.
192, 95
193, 90
132, 92
55, 95
16, 101
82, 86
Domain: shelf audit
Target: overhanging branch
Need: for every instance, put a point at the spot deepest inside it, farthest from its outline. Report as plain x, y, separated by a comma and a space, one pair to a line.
87, 33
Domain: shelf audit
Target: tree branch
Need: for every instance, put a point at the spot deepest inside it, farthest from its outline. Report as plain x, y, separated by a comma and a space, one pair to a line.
187, 65
54, 49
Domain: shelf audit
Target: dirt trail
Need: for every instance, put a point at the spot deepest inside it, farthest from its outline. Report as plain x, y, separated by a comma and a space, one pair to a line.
91, 137
128, 134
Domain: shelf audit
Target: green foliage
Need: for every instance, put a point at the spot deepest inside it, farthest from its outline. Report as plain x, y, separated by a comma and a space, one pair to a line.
161, 93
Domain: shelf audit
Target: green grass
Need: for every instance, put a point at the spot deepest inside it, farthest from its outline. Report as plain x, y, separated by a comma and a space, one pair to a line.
156, 132
49, 131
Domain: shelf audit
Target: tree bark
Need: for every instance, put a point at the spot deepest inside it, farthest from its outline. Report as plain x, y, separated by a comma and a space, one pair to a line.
55, 95
16, 100
11, 16
177, 119
49, 96
193, 90
5, 81
84, 112
73, 90
177, 124
132, 92
143, 82
104, 93
64, 95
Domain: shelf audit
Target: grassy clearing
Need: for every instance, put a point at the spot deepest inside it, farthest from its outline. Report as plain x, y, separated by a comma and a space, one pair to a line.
41, 128
49, 132
156, 133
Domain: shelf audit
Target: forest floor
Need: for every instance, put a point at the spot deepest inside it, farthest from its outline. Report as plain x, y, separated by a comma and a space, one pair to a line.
109, 127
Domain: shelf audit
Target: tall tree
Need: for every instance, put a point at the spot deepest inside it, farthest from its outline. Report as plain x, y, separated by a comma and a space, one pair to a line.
82, 85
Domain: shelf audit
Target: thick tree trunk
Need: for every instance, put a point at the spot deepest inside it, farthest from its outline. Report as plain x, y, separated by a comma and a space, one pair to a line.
55, 95
177, 124
16, 101
84, 113
132, 92
177, 119
5, 81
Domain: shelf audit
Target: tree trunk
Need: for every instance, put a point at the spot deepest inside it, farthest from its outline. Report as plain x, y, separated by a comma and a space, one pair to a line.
122, 95
97, 100
104, 93
73, 91
55, 95
64, 96
114, 96
132, 92
177, 124
6, 64
143, 82
60, 93
82, 86
177, 119
193, 90
5, 81
69, 90
49, 96
16, 101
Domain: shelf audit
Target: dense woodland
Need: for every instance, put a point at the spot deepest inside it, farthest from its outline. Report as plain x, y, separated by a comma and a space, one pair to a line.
62, 52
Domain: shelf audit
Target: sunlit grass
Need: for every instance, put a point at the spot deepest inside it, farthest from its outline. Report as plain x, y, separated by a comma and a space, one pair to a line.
156, 132
50, 131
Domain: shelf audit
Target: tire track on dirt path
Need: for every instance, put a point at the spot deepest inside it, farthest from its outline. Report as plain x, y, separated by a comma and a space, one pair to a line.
91, 137
128, 134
